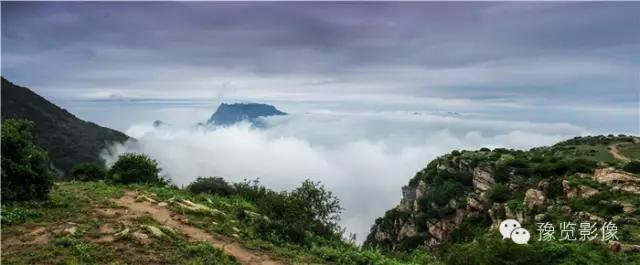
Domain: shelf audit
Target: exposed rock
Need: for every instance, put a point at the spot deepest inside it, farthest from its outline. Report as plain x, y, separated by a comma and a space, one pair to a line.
155, 231
620, 180
540, 217
441, 229
543, 185
497, 214
566, 210
619, 247
628, 208
587, 192
590, 217
146, 198
71, 230
475, 203
409, 229
482, 179
517, 214
123, 232
410, 196
534, 198
568, 190
142, 237
163, 204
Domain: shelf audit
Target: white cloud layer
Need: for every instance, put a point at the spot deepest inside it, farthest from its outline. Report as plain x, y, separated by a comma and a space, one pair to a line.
363, 158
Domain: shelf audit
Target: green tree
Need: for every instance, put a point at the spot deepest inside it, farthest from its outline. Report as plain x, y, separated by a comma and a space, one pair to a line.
320, 206
135, 168
25, 167
88, 172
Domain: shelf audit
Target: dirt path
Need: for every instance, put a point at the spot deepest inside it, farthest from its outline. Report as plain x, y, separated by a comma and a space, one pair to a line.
163, 215
615, 152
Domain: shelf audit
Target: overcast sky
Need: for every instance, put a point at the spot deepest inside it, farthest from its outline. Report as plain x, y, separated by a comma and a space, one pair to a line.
571, 59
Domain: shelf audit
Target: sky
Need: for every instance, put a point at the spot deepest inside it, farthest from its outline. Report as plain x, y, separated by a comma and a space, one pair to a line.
375, 90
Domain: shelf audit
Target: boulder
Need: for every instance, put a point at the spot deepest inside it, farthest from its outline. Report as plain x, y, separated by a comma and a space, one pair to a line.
534, 198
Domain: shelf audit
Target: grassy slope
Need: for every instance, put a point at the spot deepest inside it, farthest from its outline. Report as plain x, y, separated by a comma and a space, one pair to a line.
81, 204
75, 205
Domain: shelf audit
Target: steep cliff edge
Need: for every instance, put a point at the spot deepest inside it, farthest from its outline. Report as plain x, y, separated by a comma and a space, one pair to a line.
461, 195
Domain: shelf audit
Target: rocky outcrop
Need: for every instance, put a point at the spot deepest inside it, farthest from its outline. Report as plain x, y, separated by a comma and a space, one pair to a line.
465, 189
578, 191
534, 198
441, 229
620, 180
482, 179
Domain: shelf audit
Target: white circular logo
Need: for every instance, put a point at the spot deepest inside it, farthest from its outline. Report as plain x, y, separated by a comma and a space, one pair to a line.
520, 236
507, 226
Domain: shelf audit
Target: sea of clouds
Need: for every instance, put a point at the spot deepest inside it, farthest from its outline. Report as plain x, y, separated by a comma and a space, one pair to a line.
364, 158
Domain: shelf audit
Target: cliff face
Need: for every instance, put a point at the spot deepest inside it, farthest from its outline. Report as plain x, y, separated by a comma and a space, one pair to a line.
461, 194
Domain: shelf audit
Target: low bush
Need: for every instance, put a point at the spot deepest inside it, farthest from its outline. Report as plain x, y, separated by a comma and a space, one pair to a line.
211, 185
499, 193
632, 167
135, 168
88, 172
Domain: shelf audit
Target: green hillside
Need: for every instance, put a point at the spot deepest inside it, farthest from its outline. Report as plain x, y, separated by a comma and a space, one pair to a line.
454, 206
67, 139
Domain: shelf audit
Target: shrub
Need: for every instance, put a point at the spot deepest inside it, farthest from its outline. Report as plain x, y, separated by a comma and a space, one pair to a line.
321, 207
25, 167
442, 194
499, 193
135, 168
88, 172
309, 208
211, 185
632, 167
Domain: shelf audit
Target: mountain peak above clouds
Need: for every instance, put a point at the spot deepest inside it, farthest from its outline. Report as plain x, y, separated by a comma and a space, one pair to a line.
229, 114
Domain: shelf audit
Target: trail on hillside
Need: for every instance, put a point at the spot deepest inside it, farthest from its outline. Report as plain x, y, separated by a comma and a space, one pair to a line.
164, 215
615, 152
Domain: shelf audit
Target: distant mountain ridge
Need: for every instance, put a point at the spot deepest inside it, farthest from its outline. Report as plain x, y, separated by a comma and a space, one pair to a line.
229, 114
68, 139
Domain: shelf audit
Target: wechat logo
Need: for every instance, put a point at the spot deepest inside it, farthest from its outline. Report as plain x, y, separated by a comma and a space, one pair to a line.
512, 229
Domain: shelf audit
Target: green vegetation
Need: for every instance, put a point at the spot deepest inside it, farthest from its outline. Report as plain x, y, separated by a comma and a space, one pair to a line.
499, 193
67, 139
493, 250
633, 167
630, 150
135, 168
211, 185
88, 172
25, 169
446, 189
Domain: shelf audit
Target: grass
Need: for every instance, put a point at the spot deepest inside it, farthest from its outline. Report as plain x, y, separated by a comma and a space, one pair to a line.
594, 152
631, 151
76, 203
